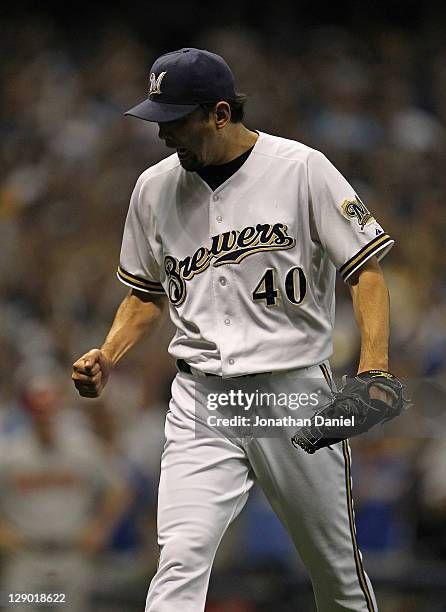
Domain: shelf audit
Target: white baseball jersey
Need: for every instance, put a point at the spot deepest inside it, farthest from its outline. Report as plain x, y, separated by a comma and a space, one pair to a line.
249, 268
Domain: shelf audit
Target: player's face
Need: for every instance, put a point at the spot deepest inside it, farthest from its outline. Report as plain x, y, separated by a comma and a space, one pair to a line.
194, 137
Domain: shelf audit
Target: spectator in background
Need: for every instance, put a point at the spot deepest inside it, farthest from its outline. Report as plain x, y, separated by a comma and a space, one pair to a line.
59, 501
143, 437
384, 480
431, 499
131, 549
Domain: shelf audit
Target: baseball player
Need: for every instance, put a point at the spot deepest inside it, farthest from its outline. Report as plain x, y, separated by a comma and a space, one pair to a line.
239, 234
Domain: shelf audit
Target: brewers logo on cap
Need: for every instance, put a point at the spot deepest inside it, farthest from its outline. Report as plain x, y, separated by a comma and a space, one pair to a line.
155, 83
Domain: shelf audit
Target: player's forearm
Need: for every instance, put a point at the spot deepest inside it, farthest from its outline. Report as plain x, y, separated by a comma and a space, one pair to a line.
137, 316
371, 306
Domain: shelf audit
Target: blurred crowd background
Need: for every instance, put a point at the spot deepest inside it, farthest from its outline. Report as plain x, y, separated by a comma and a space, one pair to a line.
78, 478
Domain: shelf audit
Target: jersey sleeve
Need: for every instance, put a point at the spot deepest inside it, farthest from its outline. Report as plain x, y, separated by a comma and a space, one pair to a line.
137, 266
340, 220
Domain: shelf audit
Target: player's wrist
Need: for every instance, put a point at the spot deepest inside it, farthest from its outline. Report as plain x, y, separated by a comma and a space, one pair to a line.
110, 355
376, 364
376, 372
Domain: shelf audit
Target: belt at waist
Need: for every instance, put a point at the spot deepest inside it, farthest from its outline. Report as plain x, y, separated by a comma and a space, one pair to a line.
183, 366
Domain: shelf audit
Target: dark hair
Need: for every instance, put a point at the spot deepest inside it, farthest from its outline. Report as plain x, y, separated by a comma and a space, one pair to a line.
236, 104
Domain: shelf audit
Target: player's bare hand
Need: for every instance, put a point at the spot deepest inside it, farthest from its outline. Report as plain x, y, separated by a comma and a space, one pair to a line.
91, 372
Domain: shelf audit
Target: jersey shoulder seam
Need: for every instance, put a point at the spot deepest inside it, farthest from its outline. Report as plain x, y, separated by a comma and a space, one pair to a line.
147, 174
299, 156
276, 156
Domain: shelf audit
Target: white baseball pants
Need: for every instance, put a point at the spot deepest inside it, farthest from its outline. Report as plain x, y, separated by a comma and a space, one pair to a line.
205, 482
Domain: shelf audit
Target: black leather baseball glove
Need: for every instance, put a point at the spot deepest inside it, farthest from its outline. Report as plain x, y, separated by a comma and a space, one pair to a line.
352, 411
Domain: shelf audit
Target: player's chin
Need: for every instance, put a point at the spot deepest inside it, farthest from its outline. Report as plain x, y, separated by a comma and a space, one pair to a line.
188, 160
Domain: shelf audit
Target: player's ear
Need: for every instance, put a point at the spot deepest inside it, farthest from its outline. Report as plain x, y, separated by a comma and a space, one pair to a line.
222, 114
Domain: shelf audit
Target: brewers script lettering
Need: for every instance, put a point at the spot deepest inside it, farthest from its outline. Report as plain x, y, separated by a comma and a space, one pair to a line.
226, 248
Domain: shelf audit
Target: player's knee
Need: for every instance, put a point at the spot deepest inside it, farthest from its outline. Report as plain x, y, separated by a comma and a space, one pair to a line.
191, 553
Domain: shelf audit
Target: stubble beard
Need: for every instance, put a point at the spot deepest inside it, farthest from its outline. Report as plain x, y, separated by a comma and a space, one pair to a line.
190, 163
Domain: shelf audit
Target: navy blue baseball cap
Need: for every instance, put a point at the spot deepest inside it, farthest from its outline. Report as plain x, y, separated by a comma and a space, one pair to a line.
182, 80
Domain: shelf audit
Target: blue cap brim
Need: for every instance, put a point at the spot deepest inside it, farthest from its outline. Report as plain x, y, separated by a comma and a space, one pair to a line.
160, 112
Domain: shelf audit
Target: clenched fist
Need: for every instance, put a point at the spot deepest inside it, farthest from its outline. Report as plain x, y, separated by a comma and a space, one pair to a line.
91, 372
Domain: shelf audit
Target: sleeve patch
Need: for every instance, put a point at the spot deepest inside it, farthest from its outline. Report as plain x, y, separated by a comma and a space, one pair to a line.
356, 209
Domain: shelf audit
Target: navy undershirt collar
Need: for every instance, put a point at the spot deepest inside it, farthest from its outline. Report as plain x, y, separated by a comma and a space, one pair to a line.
215, 176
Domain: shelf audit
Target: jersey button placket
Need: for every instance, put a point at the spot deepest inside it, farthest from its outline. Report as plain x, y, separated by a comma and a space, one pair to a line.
214, 207
221, 285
